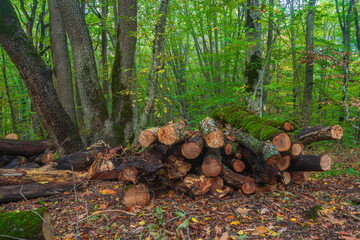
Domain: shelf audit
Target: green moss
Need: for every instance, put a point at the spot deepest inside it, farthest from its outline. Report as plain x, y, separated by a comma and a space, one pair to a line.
252, 69
8, 18
25, 225
313, 212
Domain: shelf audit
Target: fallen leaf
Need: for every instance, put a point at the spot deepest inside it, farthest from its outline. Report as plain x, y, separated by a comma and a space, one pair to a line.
224, 236
260, 230
230, 216
242, 211
218, 230
235, 223
107, 191
143, 222
194, 219
292, 219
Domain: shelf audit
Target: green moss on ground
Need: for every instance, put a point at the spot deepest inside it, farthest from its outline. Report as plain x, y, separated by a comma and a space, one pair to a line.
240, 118
26, 225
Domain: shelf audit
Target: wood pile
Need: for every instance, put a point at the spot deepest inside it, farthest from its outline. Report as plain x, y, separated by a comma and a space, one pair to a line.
215, 159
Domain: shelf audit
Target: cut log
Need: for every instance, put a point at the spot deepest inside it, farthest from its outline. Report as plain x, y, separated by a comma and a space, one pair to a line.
231, 148
281, 141
235, 164
176, 167
44, 174
193, 147
311, 163
12, 136
102, 169
213, 137
12, 193
197, 185
299, 176
173, 133
136, 196
296, 148
81, 161
211, 166
257, 164
288, 126
148, 136
129, 174
273, 174
25, 148
286, 178
237, 181
216, 183
284, 163
317, 133
27, 225
264, 149
44, 158
6, 159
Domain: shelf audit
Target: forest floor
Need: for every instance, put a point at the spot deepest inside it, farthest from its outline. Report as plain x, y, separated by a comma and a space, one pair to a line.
325, 207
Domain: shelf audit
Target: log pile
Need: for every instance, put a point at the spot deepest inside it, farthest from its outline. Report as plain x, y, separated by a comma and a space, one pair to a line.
215, 159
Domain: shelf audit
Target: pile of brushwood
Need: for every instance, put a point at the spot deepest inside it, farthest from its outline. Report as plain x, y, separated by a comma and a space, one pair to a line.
233, 150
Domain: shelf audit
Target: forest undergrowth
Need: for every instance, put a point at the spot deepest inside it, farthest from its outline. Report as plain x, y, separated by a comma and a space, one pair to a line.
327, 206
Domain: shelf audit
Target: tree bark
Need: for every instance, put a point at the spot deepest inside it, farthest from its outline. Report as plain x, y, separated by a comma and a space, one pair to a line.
309, 72
61, 60
237, 181
25, 147
317, 133
37, 77
173, 133
124, 69
148, 136
311, 163
213, 137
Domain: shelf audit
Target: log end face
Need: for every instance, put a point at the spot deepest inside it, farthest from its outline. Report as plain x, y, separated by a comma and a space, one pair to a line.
284, 163
215, 139
167, 135
282, 142
248, 186
296, 149
137, 195
337, 132
146, 138
288, 127
228, 149
273, 160
191, 150
287, 178
325, 162
211, 167
239, 166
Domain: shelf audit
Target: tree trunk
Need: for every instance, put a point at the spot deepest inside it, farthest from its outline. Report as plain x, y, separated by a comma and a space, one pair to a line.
309, 72
37, 78
27, 225
157, 62
104, 45
61, 60
93, 102
124, 69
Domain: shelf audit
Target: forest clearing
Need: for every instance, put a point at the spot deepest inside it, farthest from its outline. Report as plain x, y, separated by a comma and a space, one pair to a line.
161, 119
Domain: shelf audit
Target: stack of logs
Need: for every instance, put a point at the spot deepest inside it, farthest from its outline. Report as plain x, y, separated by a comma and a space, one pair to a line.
212, 160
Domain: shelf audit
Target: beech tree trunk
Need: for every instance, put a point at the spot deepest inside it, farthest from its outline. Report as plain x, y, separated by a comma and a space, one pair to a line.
37, 77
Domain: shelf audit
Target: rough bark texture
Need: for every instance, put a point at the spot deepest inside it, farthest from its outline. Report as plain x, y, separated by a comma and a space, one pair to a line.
37, 77
148, 136
317, 133
123, 69
309, 72
91, 95
157, 62
176, 167
237, 181
45, 174
12, 193
102, 169
27, 225
173, 133
61, 60
311, 163
214, 138
25, 147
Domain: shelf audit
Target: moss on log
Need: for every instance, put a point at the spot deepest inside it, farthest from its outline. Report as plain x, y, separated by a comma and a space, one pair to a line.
27, 225
213, 137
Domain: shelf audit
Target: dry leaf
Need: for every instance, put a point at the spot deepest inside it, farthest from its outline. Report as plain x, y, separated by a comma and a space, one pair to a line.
260, 230
235, 223
224, 236
107, 191
242, 211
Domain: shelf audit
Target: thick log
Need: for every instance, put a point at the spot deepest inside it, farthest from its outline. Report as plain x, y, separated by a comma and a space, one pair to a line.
102, 169
311, 163
33, 190
25, 148
129, 174
216, 183
136, 195
235, 164
176, 167
237, 181
148, 136
27, 225
173, 133
317, 133
257, 164
197, 185
193, 147
281, 141
211, 166
284, 163
264, 149
45, 174
44, 158
81, 161
213, 137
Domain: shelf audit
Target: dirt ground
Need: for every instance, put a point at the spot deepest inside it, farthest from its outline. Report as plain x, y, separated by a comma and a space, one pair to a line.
325, 207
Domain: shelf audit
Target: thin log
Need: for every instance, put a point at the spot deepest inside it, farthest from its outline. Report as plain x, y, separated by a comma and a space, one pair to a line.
213, 137
317, 133
136, 195
300, 176
236, 164
311, 163
11, 193
173, 133
45, 174
193, 147
231, 148
211, 166
286, 178
237, 181
26, 148
148, 136
27, 225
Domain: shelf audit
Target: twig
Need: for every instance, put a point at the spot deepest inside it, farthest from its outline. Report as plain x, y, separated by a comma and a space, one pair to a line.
114, 210
32, 210
6, 236
76, 204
